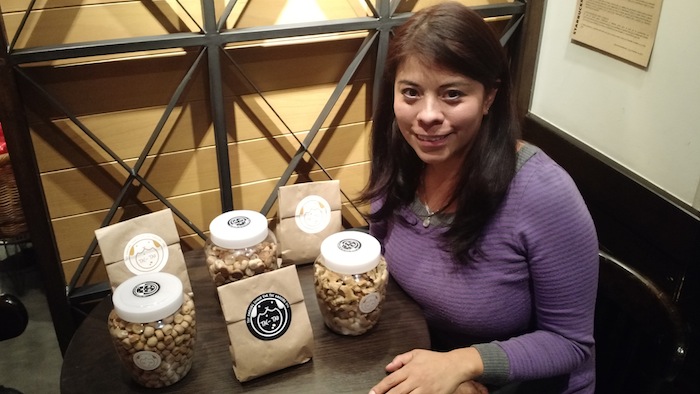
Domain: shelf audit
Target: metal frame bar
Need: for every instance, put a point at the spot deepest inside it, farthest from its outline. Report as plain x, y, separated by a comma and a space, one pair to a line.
212, 41
221, 38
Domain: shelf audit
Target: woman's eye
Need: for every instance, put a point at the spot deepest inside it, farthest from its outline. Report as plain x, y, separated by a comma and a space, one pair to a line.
410, 92
453, 94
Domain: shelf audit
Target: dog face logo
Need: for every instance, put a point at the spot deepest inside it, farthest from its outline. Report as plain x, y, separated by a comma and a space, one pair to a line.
269, 316
313, 214
145, 253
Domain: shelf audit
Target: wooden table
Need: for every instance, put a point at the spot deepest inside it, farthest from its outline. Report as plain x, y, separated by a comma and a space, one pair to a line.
340, 364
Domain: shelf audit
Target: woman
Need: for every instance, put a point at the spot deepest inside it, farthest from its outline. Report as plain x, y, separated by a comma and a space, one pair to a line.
485, 232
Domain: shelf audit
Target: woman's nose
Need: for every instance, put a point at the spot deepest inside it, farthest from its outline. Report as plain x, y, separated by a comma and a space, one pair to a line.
430, 112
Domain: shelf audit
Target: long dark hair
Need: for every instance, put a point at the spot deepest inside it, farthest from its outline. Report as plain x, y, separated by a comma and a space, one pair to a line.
455, 37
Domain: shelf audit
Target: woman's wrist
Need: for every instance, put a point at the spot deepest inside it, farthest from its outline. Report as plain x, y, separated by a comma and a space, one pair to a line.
468, 362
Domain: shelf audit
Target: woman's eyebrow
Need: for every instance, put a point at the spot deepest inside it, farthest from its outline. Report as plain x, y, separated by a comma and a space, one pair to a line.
458, 83
406, 82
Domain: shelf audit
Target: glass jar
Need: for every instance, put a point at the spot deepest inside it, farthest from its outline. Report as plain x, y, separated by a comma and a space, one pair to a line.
153, 328
239, 246
350, 278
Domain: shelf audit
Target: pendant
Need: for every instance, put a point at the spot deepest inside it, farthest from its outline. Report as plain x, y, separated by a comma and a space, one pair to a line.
426, 222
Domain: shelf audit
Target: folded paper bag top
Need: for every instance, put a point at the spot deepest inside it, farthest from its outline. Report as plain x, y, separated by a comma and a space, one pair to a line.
308, 212
144, 244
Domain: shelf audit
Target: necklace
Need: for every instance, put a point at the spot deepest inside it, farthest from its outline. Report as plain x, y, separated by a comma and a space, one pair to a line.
426, 220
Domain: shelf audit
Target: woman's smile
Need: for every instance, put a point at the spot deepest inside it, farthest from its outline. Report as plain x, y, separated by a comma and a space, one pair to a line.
432, 139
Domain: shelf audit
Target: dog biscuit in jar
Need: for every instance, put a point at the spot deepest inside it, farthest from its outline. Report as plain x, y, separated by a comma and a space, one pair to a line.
350, 278
153, 328
239, 246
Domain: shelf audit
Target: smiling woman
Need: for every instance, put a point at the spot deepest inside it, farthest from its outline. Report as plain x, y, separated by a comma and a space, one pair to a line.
439, 113
485, 232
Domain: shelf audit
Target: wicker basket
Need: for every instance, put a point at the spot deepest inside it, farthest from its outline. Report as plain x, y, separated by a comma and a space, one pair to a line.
12, 222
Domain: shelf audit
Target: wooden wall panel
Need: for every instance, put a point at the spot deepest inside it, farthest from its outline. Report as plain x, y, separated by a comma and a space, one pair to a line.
22, 5
276, 67
61, 144
104, 87
108, 20
277, 12
92, 188
150, 81
298, 108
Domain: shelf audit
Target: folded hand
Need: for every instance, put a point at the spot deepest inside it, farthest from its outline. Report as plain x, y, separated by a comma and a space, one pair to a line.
429, 372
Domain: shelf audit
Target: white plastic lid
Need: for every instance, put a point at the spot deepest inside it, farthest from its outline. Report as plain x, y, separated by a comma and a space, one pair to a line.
350, 252
238, 229
148, 297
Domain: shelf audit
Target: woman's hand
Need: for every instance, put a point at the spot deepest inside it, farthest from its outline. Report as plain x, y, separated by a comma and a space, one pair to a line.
471, 387
429, 372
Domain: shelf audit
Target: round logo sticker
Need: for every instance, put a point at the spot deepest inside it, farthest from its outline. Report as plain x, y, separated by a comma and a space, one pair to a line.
269, 316
145, 253
349, 245
239, 222
369, 303
313, 214
148, 361
145, 289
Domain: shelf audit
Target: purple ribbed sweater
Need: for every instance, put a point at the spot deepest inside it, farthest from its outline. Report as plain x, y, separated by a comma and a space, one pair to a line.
529, 296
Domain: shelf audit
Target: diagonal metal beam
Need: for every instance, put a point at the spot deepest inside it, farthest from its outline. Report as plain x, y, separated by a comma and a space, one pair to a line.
133, 176
226, 14
73, 118
27, 12
286, 126
344, 80
513, 24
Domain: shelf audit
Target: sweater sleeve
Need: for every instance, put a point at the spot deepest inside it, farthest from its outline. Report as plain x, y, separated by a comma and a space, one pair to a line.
495, 361
560, 242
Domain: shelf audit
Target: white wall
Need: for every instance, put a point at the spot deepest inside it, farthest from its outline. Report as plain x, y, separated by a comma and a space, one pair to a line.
646, 120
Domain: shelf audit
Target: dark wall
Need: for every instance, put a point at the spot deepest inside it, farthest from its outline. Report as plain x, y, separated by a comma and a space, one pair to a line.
638, 224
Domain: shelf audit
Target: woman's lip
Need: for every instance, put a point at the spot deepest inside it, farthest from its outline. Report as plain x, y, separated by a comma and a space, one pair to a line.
431, 138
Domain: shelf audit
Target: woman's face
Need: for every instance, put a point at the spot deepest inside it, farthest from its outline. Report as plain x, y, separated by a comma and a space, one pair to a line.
439, 112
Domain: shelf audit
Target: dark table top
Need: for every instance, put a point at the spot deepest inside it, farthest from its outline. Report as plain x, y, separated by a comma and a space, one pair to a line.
340, 364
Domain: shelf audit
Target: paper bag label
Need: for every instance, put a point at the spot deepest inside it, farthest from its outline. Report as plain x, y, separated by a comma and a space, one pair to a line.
313, 214
269, 316
145, 253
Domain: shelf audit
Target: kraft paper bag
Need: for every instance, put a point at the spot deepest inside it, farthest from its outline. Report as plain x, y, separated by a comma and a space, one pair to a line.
144, 244
267, 321
308, 213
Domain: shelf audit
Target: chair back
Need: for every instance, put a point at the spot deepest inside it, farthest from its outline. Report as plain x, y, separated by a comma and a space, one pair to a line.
639, 331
